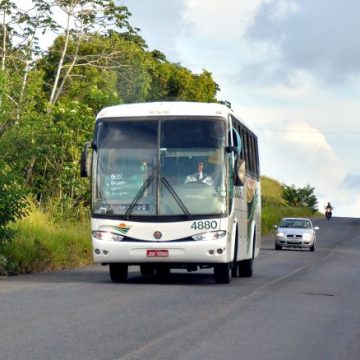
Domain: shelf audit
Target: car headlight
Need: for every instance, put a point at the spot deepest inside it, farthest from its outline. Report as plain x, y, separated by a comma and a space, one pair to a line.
106, 236
280, 235
307, 236
212, 235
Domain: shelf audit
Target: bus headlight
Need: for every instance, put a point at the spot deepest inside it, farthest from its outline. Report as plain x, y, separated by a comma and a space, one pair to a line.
212, 235
107, 236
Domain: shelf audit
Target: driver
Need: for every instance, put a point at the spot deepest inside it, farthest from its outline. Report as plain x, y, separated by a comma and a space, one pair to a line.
328, 206
200, 176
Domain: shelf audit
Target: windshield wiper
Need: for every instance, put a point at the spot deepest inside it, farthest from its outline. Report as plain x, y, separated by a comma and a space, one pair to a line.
176, 197
140, 193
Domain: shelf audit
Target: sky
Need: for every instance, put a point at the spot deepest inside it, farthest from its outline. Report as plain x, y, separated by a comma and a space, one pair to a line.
291, 71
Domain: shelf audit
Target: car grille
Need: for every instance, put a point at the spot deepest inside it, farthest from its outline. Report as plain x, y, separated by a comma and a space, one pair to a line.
290, 236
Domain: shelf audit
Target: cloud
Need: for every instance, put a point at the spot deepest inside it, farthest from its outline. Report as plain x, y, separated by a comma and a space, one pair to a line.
298, 153
161, 24
319, 37
226, 19
302, 135
352, 181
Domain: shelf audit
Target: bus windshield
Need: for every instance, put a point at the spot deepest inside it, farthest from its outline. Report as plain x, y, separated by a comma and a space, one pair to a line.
167, 167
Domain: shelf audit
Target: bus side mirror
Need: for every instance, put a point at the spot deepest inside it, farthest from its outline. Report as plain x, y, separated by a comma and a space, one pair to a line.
239, 172
85, 160
239, 166
230, 149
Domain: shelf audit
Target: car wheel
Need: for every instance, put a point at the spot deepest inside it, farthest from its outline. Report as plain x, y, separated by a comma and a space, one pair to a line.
312, 248
277, 247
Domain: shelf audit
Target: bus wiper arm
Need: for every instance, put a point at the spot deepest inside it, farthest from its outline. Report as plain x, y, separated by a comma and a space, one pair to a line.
176, 197
140, 193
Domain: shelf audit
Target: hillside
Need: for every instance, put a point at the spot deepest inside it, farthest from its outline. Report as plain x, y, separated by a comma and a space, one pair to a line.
274, 207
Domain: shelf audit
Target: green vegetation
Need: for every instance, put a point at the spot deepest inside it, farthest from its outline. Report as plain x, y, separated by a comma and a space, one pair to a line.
42, 245
300, 197
275, 206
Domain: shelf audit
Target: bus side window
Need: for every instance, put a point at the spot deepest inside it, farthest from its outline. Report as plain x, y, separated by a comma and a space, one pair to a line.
237, 140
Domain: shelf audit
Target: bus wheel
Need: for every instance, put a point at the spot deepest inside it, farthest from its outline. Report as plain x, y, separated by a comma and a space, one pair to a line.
246, 268
147, 270
222, 273
118, 272
234, 270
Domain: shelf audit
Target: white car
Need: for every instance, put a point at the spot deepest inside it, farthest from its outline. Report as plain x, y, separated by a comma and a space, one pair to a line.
295, 233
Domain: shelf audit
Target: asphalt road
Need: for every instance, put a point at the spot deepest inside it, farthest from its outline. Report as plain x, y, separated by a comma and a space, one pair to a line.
298, 305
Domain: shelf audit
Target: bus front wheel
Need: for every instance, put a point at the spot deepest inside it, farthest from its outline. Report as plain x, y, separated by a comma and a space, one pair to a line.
222, 273
118, 272
246, 268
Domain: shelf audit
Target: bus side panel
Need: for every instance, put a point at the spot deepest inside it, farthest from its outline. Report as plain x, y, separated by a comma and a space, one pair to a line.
253, 195
247, 214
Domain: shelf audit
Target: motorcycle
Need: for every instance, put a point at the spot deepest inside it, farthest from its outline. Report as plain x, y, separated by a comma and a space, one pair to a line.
328, 213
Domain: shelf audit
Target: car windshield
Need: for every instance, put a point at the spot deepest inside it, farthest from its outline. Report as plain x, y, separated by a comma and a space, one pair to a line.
295, 223
161, 167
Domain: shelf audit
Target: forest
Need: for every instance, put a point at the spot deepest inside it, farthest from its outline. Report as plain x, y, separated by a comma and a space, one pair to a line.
50, 95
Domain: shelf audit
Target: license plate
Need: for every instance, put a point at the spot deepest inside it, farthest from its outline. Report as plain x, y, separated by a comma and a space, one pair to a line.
157, 253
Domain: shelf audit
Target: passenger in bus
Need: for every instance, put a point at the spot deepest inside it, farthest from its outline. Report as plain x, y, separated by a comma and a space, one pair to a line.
200, 176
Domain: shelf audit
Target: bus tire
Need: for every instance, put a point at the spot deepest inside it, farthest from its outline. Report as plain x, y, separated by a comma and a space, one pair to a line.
246, 268
222, 273
234, 265
234, 270
118, 272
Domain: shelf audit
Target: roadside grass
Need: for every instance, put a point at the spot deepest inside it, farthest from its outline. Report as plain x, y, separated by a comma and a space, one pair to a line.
41, 245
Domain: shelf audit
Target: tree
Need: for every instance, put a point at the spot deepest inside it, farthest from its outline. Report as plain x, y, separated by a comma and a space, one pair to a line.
8, 11
13, 203
172, 82
300, 197
82, 17
20, 46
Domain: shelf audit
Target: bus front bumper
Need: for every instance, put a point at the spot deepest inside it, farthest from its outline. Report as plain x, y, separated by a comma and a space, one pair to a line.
197, 252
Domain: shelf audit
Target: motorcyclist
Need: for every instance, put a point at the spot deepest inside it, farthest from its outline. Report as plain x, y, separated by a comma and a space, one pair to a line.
328, 210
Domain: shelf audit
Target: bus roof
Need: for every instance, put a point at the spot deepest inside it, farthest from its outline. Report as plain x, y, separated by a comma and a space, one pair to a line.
165, 109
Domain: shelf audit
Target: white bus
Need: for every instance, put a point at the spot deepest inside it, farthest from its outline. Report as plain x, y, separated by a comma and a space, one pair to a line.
149, 205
